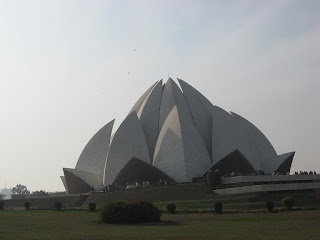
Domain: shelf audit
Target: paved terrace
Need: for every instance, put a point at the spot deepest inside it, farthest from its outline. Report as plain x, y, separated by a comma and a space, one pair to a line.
268, 183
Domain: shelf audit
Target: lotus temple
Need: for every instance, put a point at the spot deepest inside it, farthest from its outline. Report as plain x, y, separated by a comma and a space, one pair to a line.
173, 133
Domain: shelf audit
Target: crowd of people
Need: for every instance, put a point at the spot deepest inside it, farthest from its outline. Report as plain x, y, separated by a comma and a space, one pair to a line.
260, 172
165, 181
129, 185
305, 173
234, 174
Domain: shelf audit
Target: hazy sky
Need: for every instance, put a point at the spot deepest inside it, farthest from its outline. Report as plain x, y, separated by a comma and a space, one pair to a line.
68, 67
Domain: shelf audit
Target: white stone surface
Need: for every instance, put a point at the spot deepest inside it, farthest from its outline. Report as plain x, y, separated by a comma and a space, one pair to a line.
149, 116
172, 96
180, 151
90, 178
129, 141
281, 159
138, 104
203, 99
268, 188
63, 179
93, 156
181, 133
253, 144
270, 178
197, 157
169, 153
274, 179
222, 135
201, 114
231, 131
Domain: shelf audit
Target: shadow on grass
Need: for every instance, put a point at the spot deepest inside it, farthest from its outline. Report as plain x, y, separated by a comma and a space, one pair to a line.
168, 223
161, 223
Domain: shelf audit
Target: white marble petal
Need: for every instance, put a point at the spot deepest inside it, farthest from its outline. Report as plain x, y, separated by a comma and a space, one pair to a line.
129, 141
93, 156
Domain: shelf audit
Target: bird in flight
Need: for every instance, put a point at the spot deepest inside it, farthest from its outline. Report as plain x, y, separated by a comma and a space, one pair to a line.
134, 49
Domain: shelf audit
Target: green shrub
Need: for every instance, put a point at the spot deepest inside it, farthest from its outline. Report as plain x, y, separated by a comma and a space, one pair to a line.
129, 212
218, 208
171, 208
58, 206
92, 207
27, 205
1, 205
288, 202
270, 206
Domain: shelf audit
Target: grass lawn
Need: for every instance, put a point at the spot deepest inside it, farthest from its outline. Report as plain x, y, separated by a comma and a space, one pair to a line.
42, 225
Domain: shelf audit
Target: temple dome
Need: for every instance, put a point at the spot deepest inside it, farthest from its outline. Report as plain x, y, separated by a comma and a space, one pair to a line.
173, 133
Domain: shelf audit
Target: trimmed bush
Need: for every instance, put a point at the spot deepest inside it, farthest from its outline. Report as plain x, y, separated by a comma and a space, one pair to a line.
27, 205
92, 207
129, 212
58, 206
171, 208
218, 208
1, 205
270, 206
288, 202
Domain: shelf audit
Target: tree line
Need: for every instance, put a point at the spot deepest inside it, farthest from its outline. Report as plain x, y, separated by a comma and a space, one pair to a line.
22, 191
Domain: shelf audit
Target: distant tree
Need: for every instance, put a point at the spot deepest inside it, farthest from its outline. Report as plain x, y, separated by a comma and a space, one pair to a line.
40, 193
20, 190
